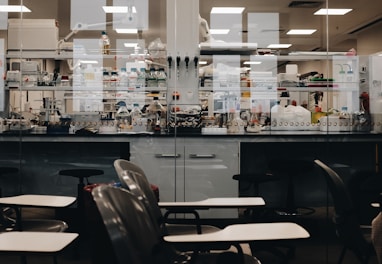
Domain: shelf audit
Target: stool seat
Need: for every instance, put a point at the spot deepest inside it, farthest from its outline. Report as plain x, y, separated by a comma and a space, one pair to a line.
81, 173
254, 177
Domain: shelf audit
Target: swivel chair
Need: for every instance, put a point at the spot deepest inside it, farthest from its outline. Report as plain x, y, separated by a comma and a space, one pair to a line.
348, 229
136, 238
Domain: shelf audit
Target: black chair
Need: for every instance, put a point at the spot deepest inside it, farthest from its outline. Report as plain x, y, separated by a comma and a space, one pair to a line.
348, 229
136, 239
122, 165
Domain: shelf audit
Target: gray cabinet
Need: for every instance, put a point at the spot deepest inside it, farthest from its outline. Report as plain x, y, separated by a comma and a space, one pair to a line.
190, 169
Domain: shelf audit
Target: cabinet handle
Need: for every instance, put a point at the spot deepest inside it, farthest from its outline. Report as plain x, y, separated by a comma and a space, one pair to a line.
202, 156
167, 155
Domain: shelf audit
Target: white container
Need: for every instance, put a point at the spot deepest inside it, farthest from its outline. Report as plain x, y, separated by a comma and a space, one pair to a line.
334, 123
33, 34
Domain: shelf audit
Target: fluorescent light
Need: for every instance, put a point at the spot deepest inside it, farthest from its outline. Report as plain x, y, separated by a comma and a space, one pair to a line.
252, 62
279, 46
118, 9
126, 30
130, 45
14, 8
333, 11
301, 31
227, 10
202, 62
88, 62
219, 31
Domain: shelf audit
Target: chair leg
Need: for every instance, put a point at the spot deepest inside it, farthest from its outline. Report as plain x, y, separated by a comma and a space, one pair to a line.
341, 258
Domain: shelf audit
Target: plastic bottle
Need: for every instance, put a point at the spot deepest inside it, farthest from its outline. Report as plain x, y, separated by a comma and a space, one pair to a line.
162, 78
106, 79
152, 80
123, 78
141, 82
133, 77
105, 43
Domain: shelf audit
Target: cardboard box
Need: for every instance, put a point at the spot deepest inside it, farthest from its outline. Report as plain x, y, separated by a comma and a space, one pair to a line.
33, 34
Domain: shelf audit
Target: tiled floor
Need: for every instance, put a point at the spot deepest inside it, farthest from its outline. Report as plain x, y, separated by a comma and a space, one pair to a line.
322, 247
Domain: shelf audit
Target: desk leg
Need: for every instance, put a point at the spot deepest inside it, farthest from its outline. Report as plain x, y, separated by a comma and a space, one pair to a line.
19, 225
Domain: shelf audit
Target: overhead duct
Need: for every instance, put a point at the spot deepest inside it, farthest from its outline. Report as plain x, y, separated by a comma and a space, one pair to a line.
305, 4
365, 26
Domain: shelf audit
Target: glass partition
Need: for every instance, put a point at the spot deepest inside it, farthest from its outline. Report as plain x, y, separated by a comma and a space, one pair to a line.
193, 91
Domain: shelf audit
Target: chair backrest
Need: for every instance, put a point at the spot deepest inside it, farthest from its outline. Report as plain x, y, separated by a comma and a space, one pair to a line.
346, 221
130, 228
121, 165
127, 171
139, 186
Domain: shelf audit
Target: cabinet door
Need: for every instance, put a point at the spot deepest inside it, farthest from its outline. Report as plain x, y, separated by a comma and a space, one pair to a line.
159, 158
210, 164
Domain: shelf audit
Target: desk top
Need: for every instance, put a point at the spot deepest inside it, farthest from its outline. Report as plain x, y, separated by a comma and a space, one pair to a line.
33, 200
42, 242
245, 233
226, 202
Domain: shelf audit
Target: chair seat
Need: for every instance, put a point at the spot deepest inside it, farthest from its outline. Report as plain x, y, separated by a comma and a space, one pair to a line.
254, 177
38, 225
81, 173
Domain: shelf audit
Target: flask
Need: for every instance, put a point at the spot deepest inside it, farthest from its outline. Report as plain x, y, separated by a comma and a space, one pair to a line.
135, 113
156, 115
105, 43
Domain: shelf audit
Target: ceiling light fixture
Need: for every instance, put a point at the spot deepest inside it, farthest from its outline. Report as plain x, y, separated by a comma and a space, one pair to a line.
279, 46
227, 10
118, 9
130, 45
14, 8
333, 11
126, 30
252, 62
301, 31
219, 31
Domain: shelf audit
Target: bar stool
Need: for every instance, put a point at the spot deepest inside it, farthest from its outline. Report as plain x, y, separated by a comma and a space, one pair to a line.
253, 181
81, 174
292, 168
7, 170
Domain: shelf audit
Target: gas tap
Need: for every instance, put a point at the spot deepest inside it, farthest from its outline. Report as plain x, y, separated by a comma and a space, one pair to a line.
177, 66
196, 61
169, 60
187, 60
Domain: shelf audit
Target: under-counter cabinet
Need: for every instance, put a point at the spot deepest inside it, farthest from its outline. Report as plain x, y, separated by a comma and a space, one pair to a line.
190, 169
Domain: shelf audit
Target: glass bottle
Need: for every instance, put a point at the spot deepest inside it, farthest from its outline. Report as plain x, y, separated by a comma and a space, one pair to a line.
105, 43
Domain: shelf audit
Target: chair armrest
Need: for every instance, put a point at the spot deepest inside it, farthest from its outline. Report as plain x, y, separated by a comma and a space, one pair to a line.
185, 211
